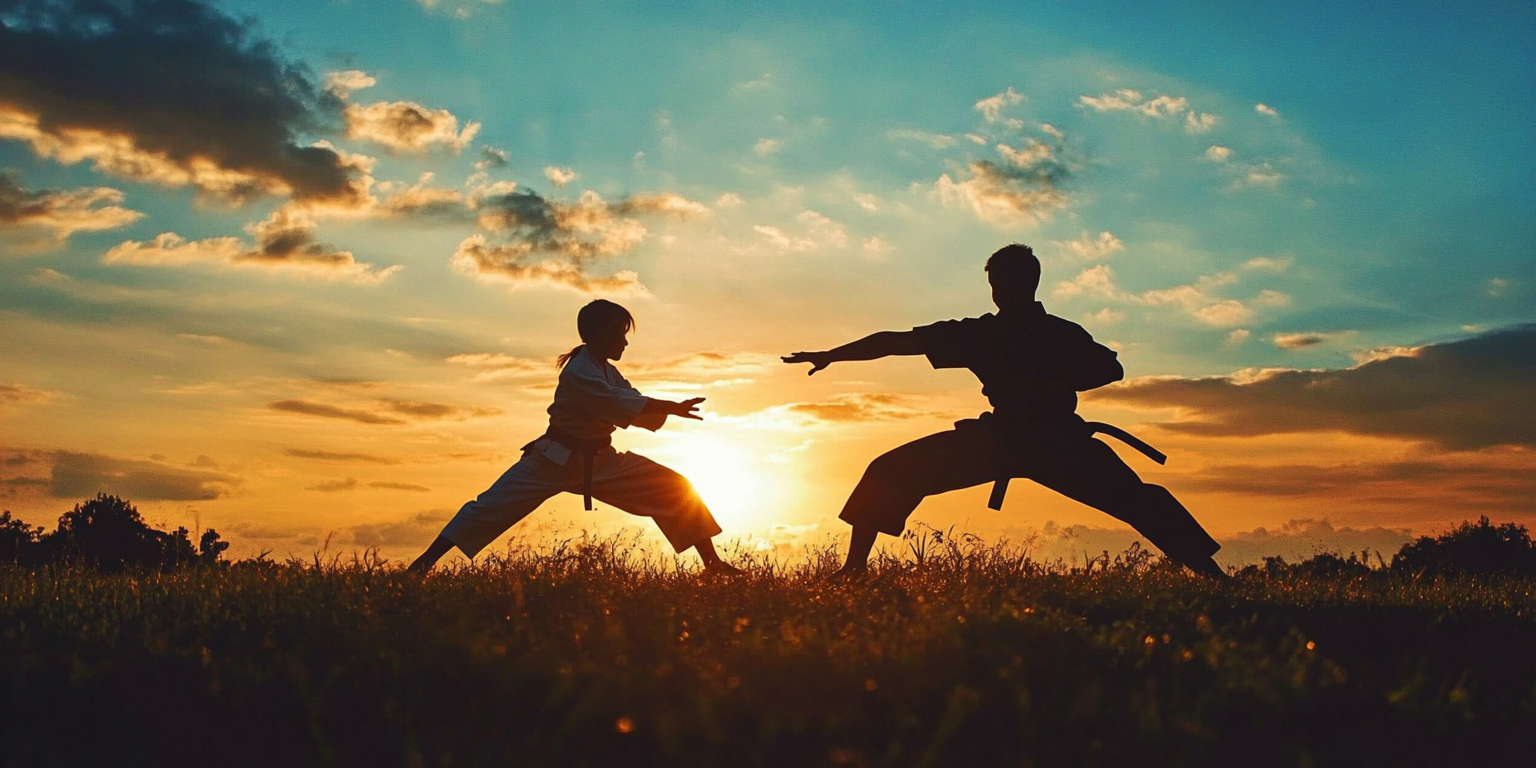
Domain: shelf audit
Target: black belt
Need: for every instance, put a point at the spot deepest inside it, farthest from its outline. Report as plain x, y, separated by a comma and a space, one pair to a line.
586, 449
1000, 485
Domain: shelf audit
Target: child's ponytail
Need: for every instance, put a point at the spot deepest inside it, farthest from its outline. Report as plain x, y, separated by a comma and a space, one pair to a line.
566, 358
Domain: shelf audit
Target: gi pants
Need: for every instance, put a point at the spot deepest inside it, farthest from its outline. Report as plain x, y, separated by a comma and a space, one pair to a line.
1066, 460
628, 481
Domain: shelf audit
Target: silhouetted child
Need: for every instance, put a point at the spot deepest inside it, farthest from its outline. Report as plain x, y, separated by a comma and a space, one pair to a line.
1031, 366
575, 454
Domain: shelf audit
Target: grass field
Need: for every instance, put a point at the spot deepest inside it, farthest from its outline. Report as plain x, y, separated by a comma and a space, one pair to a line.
604, 654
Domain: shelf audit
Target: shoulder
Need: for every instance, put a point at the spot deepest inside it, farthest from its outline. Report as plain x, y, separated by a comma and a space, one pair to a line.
962, 326
1063, 328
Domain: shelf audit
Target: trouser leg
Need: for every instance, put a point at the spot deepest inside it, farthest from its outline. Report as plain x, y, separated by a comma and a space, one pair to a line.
897, 481
642, 487
1099, 478
517, 493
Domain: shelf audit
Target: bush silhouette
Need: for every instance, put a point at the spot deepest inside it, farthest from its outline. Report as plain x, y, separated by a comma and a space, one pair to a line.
1472, 548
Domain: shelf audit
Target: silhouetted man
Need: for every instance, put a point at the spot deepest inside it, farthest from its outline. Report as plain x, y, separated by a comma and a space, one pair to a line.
1031, 366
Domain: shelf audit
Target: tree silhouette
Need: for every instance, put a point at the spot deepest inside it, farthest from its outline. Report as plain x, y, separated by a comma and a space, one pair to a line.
18, 540
108, 533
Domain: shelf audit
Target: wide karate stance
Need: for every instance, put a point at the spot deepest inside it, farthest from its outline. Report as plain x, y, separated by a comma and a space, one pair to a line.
576, 454
1031, 366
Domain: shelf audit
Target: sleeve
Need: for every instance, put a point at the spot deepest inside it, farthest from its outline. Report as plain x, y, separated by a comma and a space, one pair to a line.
1089, 364
948, 343
588, 392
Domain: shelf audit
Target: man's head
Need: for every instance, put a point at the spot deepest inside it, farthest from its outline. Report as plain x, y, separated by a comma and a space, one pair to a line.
1014, 273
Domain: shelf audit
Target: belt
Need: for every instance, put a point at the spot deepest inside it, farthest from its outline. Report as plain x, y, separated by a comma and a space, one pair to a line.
586, 449
1000, 485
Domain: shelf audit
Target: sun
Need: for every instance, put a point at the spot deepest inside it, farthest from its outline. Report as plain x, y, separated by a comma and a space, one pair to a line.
727, 477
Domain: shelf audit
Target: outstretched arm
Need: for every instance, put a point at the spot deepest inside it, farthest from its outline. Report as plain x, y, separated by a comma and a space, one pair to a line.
871, 347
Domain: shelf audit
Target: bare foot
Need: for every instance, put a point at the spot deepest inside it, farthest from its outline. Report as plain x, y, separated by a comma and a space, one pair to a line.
722, 568
850, 573
1207, 567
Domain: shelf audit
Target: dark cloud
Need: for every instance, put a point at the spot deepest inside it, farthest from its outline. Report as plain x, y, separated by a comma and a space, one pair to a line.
335, 486
1465, 394
334, 456
394, 411
61, 213
527, 226
492, 157
1025, 187
399, 486
284, 240
167, 91
857, 407
309, 408
407, 127
81, 475
25, 481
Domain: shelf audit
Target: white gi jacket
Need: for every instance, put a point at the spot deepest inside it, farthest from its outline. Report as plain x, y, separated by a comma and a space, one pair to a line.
591, 400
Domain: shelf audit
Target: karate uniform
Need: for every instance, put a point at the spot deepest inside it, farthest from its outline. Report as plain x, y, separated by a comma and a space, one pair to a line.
1031, 366
591, 400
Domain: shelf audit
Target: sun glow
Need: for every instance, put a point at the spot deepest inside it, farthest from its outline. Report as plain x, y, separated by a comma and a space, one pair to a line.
730, 479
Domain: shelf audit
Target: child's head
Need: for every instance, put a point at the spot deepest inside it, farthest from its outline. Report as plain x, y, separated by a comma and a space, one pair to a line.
604, 327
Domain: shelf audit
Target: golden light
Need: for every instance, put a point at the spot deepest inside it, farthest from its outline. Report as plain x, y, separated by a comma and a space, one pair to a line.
731, 480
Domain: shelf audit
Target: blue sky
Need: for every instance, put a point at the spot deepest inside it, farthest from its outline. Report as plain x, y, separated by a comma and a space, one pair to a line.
1213, 190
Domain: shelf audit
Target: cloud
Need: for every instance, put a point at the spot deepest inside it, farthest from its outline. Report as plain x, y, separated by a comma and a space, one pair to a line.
1092, 247
576, 234
61, 213
399, 486
1218, 154
82, 475
389, 411
1024, 190
1199, 299
459, 9
1309, 339
413, 531
308, 408
335, 486
1265, 109
702, 369
171, 93
1199, 122
766, 147
334, 456
991, 108
495, 366
284, 241
1466, 394
856, 407
20, 393
1128, 100
559, 176
343, 83
407, 127
492, 157
935, 140
1298, 540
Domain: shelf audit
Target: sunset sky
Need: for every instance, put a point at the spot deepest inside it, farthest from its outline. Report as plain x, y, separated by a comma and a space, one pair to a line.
299, 270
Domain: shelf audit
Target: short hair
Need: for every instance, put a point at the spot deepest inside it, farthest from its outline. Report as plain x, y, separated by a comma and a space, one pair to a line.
600, 318
1015, 261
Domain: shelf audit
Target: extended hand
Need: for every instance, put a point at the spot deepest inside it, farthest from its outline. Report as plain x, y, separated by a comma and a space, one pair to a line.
818, 360
688, 409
